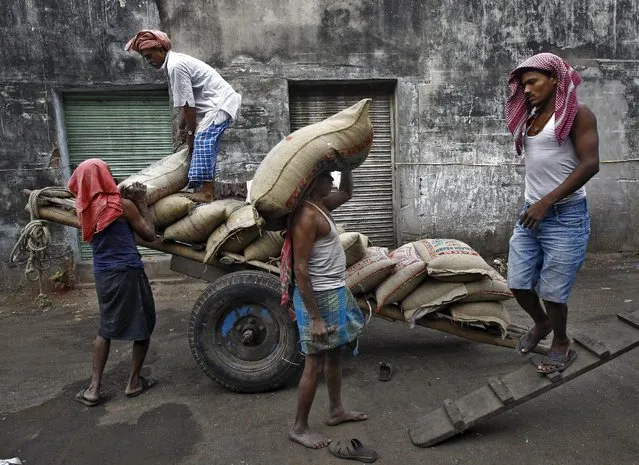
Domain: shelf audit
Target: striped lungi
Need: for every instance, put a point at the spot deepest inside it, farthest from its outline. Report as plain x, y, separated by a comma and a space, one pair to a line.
337, 308
205, 149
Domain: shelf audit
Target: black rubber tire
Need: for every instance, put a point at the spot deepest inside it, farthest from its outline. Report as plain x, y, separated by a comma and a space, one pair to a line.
224, 299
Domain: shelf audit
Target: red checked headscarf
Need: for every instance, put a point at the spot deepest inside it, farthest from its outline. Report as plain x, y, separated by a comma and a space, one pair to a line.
566, 106
97, 198
149, 38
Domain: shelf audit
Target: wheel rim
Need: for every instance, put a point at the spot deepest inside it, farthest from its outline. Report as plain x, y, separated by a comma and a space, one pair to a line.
248, 336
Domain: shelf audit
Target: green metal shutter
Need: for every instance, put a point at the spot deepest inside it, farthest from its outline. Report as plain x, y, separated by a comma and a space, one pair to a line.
127, 129
370, 211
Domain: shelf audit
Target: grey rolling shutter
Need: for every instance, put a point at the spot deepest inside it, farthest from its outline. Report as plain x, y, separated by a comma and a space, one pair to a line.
370, 211
127, 129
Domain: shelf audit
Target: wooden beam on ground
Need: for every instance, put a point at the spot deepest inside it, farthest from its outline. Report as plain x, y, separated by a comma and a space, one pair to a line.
605, 340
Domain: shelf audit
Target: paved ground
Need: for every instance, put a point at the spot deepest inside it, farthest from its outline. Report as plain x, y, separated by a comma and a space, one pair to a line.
187, 419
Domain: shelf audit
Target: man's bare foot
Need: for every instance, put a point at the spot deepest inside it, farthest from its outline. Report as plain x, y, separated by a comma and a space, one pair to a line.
342, 417
309, 439
199, 197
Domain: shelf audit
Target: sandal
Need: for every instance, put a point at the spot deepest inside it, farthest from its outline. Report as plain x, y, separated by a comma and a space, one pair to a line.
147, 383
79, 397
353, 449
528, 342
556, 362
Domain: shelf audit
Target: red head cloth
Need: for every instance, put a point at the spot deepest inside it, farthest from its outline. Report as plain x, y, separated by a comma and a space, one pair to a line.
566, 106
97, 199
149, 38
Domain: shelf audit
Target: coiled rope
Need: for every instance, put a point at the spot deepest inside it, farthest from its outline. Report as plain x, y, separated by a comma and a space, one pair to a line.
34, 242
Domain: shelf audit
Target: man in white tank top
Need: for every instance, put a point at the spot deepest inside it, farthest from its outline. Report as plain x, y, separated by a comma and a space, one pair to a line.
560, 143
327, 314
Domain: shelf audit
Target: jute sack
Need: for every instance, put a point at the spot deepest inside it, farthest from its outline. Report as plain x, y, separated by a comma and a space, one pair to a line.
238, 241
487, 289
168, 210
202, 221
337, 143
354, 245
244, 218
452, 260
267, 246
371, 270
488, 313
431, 296
408, 272
164, 177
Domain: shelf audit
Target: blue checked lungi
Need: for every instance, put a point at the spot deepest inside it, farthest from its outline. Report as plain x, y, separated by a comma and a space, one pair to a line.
337, 308
205, 149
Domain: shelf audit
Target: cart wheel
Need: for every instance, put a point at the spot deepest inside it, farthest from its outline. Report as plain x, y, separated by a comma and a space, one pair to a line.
240, 335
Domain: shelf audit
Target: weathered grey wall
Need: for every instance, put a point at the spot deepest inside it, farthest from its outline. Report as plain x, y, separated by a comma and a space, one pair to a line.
456, 171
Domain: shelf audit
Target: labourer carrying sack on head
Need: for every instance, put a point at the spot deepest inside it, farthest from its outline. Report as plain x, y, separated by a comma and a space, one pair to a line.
313, 274
209, 105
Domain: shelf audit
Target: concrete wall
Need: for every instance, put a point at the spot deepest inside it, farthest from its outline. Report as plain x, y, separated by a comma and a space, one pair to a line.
456, 169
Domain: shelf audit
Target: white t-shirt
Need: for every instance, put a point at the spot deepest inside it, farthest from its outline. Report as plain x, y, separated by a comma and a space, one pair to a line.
195, 83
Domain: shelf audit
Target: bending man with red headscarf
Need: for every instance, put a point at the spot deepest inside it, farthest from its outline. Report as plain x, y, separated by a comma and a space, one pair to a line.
208, 104
127, 311
559, 140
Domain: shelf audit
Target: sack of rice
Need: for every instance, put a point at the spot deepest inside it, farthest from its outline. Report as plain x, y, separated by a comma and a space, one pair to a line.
408, 273
168, 210
337, 143
265, 247
244, 218
488, 313
452, 260
431, 296
164, 177
202, 221
354, 245
371, 270
487, 289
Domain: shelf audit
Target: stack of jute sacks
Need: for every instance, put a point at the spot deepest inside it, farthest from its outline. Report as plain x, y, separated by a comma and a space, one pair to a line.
337, 143
433, 275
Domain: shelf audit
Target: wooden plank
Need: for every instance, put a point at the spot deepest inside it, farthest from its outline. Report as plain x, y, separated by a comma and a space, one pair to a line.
593, 345
455, 416
630, 318
196, 269
507, 392
472, 333
68, 218
500, 389
438, 428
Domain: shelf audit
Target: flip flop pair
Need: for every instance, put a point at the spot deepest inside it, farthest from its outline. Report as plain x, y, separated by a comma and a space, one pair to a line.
353, 449
147, 383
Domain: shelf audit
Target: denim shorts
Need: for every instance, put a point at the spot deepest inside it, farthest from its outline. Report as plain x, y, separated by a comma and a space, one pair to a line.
547, 257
